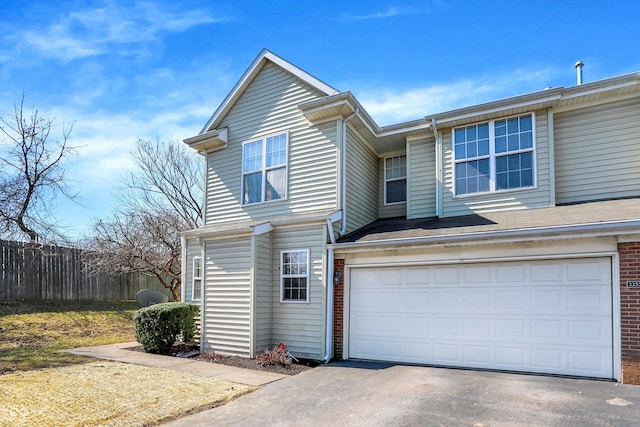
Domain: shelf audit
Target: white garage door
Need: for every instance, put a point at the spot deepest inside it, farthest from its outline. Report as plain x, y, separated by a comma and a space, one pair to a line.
536, 316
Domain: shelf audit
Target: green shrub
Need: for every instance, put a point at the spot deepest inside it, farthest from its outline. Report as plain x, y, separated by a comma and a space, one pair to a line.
158, 326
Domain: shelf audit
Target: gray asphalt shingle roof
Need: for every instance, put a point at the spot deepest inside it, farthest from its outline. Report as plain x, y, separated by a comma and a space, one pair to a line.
611, 211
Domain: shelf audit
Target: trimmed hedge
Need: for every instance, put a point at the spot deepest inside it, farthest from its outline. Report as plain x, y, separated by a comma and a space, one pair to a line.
158, 326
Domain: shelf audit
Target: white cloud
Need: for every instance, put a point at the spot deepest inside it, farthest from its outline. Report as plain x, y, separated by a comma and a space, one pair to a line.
387, 105
95, 31
380, 14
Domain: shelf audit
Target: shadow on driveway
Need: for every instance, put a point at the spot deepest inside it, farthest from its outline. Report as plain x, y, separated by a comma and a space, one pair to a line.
382, 394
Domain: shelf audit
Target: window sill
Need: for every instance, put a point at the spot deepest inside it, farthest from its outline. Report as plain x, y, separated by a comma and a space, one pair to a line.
497, 192
286, 199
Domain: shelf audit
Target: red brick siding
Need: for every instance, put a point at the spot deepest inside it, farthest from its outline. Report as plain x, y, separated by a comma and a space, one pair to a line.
338, 309
630, 312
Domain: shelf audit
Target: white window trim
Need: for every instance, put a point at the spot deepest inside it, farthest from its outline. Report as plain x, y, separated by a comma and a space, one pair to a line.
492, 158
384, 168
283, 276
194, 278
265, 169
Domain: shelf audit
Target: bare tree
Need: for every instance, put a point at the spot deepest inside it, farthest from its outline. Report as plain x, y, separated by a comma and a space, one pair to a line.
162, 197
31, 172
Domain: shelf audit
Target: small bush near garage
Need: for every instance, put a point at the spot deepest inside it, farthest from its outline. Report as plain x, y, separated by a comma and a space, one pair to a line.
277, 356
159, 326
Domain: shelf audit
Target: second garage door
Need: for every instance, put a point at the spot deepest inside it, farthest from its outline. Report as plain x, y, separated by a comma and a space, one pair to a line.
550, 316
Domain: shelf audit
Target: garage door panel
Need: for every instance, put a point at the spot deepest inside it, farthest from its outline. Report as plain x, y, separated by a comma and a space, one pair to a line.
547, 300
594, 301
586, 361
585, 271
445, 301
513, 357
476, 328
537, 316
477, 300
444, 275
511, 328
477, 275
446, 354
513, 301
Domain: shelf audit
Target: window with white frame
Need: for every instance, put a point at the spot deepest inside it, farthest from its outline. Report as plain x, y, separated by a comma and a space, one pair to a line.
264, 169
196, 282
494, 156
294, 275
395, 179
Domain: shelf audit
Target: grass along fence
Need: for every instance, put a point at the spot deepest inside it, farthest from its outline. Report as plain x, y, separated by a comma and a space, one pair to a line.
52, 272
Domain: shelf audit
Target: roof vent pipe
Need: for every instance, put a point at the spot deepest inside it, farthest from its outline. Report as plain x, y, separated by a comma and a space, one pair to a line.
579, 66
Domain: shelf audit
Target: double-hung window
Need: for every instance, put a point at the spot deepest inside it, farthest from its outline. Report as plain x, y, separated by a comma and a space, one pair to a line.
395, 179
264, 169
294, 275
494, 156
196, 283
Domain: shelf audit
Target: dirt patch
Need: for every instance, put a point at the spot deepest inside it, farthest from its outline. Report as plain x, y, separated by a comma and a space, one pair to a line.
184, 350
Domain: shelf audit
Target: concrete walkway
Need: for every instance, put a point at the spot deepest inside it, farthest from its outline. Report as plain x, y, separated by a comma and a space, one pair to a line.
123, 352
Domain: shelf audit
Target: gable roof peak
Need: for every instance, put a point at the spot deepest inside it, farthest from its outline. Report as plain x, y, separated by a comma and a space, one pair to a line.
264, 57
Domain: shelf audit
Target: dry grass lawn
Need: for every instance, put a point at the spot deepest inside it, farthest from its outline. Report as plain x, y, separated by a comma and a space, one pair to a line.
107, 394
42, 386
33, 333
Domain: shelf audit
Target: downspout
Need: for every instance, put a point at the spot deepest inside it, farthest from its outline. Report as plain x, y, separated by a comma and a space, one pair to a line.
183, 272
438, 148
329, 326
203, 286
344, 172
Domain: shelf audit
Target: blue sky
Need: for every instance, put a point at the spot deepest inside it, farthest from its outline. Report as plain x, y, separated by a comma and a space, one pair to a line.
123, 70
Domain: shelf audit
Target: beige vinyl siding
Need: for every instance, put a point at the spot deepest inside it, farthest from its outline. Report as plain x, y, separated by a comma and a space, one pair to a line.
421, 185
227, 296
504, 200
362, 183
301, 325
262, 293
193, 250
270, 106
597, 152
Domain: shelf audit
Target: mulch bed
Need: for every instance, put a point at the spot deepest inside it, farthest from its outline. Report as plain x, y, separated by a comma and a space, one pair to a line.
183, 350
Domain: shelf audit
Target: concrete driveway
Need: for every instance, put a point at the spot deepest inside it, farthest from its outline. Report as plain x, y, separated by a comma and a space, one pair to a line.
377, 394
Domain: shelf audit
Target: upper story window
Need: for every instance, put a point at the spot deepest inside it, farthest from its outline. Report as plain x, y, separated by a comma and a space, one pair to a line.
395, 179
496, 155
196, 284
264, 169
294, 276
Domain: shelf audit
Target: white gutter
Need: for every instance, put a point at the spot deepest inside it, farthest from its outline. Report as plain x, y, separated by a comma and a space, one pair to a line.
438, 148
329, 325
344, 171
597, 228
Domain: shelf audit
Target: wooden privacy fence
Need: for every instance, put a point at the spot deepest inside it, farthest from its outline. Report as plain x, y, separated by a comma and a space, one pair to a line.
58, 273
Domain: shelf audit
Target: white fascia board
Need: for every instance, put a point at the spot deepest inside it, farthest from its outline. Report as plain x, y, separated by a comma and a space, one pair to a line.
263, 228
300, 73
598, 86
209, 141
208, 235
497, 106
599, 229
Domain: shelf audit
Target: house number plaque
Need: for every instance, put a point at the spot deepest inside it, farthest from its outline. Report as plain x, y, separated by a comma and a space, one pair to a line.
633, 283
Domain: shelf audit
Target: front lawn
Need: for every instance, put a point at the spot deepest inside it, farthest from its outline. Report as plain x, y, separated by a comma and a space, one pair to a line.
33, 333
40, 385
